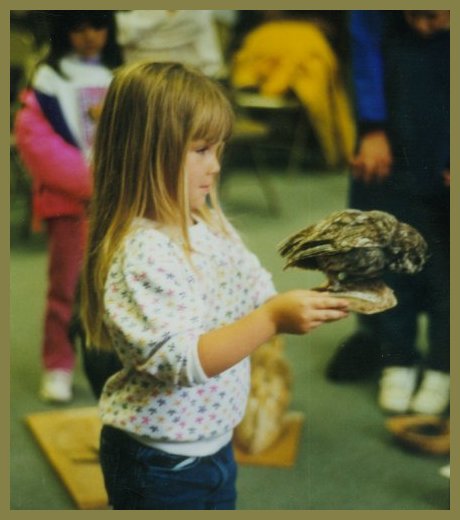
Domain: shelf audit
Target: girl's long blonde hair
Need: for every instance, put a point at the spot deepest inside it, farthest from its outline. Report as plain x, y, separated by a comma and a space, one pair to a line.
152, 112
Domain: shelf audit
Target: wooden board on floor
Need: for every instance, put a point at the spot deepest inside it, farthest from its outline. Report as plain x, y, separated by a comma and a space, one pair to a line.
70, 440
283, 453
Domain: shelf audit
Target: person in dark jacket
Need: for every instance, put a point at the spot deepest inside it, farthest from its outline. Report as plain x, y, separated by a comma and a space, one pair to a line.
401, 78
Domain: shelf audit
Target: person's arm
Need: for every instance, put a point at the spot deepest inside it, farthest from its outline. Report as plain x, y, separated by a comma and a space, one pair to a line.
164, 320
373, 160
48, 158
294, 312
208, 47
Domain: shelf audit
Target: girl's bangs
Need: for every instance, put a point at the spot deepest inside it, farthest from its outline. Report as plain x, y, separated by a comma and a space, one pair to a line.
213, 121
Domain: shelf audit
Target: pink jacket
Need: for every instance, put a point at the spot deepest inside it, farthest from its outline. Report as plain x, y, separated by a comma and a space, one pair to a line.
62, 183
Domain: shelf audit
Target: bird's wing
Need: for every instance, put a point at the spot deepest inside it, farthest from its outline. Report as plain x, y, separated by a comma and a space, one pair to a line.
305, 247
341, 232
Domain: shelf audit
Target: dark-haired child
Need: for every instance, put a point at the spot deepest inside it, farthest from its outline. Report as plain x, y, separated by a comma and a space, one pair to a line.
54, 131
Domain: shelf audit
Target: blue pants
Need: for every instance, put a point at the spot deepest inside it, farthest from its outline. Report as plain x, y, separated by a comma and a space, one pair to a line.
426, 292
417, 97
139, 477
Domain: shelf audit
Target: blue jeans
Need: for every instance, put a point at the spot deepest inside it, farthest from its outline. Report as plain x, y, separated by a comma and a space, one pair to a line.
139, 477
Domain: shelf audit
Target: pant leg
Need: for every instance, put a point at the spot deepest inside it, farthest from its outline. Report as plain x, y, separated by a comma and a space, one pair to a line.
369, 324
426, 292
397, 327
436, 229
438, 357
66, 238
224, 496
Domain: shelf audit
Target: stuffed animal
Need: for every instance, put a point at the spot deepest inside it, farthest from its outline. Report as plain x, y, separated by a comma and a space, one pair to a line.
269, 397
354, 249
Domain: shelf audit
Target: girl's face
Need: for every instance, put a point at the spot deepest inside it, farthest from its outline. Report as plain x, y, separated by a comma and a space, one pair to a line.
88, 41
201, 167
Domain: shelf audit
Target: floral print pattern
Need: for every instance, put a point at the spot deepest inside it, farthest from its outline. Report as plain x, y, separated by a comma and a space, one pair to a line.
158, 303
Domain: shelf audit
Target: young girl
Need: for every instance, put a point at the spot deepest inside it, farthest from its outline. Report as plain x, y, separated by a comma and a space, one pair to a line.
54, 133
169, 285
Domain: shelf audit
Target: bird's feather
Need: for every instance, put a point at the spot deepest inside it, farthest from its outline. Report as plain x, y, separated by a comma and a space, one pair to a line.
358, 244
354, 249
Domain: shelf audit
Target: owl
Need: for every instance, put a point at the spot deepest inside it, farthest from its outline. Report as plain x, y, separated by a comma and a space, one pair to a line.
354, 249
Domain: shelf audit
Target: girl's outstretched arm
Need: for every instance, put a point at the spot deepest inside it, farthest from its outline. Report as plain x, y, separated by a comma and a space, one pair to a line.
294, 312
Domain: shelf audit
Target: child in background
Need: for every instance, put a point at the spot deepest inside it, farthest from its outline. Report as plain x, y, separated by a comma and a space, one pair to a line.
168, 284
54, 132
186, 36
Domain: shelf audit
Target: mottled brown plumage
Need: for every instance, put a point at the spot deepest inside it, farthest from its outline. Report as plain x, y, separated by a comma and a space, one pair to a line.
354, 249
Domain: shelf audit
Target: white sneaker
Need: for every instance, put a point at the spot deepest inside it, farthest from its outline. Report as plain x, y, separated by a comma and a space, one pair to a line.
56, 386
397, 386
433, 395
445, 471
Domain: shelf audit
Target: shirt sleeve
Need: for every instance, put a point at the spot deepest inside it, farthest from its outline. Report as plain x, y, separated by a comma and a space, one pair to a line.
208, 47
48, 157
155, 317
133, 26
257, 279
366, 30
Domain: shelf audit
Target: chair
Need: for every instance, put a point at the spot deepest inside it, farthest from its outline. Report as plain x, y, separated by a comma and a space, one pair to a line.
274, 108
250, 135
295, 69
259, 128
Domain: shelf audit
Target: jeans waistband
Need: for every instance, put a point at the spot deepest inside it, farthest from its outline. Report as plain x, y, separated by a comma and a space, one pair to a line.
165, 459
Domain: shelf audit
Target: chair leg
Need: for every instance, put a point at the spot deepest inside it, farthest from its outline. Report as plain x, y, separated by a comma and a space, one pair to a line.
263, 179
299, 144
267, 187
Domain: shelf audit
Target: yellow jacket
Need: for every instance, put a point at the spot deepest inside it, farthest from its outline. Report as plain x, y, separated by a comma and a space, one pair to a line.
283, 55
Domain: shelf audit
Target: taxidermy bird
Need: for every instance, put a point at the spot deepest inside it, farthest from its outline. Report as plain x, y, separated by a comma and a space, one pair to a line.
354, 249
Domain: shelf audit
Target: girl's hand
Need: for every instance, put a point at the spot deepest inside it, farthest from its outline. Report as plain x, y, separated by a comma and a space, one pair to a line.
300, 311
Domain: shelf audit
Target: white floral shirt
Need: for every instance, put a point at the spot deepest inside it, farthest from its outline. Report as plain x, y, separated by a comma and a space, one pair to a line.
158, 303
